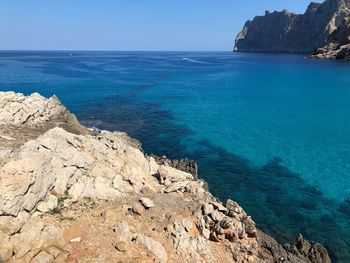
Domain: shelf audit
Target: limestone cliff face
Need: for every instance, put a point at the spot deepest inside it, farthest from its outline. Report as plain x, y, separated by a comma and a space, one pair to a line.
289, 32
338, 44
95, 197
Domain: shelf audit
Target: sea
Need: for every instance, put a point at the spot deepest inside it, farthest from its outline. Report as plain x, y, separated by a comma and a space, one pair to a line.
271, 131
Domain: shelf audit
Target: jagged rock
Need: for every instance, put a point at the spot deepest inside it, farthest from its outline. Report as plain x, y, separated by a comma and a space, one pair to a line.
338, 43
33, 110
52, 169
178, 186
189, 248
219, 206
303, 252
185, 165
225, 224
289, 32
217, 216
172, 175
250, 227
207, 209
315, 252
155, 247
234, 209
56, 161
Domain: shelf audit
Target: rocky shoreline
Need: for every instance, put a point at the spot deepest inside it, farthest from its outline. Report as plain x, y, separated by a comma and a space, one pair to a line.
322, 31
69, 194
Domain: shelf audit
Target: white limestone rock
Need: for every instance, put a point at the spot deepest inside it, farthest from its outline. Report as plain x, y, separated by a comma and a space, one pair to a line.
50, 203
155, 247
146, 202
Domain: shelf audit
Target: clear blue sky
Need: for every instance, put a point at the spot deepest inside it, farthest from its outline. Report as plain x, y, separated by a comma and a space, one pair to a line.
129, 24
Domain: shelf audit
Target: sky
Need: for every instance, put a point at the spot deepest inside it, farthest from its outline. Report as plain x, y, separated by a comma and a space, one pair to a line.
145, 25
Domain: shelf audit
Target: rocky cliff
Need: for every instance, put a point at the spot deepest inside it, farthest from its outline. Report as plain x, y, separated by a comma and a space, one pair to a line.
71, 195
289, 32
338, 43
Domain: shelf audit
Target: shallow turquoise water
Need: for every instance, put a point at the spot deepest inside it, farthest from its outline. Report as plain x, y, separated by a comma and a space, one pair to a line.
271, 131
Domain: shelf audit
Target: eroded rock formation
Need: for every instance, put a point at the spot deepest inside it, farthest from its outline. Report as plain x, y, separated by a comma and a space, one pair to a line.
70, 195
290, 32
338, 43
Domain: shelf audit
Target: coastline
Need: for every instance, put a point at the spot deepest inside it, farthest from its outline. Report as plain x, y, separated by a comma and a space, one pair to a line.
110, 181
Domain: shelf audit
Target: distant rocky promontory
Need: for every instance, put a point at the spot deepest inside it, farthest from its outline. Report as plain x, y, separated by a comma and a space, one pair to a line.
322, 31
69, 194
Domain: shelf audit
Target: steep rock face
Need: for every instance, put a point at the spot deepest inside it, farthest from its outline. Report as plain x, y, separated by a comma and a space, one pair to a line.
68, 197
338, 44
289, 32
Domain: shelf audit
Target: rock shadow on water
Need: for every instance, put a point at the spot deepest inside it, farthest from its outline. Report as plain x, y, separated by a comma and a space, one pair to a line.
280, 201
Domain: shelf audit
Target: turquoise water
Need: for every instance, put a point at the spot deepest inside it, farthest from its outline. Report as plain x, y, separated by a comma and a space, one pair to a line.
270, 131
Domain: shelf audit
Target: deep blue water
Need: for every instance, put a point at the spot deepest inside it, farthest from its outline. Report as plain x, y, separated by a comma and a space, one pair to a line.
270, 131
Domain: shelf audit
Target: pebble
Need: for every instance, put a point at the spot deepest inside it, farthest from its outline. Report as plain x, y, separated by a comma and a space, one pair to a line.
120, 246
75, 240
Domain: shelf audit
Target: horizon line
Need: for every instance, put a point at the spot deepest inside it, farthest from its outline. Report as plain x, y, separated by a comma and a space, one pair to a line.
107, 50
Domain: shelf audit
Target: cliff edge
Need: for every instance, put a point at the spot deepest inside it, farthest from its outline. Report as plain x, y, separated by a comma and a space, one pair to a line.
298, 33
71, 195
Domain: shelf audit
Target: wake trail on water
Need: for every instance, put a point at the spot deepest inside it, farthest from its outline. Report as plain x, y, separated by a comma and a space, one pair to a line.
194, 61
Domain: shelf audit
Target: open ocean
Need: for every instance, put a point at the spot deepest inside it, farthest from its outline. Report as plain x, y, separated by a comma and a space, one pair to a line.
269, 131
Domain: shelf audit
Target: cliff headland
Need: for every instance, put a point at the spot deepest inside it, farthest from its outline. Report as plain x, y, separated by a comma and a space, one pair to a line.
69, 194
322, 31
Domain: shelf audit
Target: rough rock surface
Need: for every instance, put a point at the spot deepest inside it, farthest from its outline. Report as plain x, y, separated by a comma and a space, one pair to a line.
338, 43
23, 118
189, 166
289, 32
83, 197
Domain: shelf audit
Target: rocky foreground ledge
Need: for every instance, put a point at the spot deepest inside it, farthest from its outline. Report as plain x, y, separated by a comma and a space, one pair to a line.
71, 195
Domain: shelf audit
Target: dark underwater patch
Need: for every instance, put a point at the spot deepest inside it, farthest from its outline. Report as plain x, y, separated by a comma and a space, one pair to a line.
280, 201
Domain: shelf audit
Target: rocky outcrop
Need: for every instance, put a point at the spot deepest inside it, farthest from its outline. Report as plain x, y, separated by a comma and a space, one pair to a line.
23, 118
291, 253
289, 32
338, 43
189, 166
95, 197
34, 110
